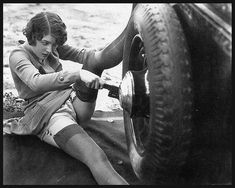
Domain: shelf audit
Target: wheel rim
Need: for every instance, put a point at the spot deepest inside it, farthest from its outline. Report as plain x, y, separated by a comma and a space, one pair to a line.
134, 96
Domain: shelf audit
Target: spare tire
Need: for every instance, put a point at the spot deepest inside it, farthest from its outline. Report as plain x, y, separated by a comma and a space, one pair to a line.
158, 143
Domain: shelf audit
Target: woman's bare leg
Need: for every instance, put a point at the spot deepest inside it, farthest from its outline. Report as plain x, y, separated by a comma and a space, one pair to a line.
77, 143
64, 133
84, 110
97, 61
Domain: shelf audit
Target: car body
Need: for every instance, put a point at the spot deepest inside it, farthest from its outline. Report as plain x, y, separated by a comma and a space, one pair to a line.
208, 30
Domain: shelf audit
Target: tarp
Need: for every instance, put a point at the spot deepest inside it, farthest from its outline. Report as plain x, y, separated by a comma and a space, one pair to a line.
28, 160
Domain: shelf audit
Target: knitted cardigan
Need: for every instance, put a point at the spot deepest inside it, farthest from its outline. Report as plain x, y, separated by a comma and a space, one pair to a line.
40, 105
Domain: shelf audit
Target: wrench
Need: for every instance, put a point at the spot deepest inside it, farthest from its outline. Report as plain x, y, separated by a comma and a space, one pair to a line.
113, 90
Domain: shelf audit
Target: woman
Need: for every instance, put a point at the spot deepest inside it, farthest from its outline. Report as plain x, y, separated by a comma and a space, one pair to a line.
57, 101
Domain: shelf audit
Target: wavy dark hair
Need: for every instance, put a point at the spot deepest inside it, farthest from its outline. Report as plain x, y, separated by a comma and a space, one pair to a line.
45, 23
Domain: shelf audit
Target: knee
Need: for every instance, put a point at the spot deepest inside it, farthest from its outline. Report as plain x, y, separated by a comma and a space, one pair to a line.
83, 118
84, 110
101, 156
98, 157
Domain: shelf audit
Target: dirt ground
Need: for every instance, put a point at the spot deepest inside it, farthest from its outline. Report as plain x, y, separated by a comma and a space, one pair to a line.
88, 25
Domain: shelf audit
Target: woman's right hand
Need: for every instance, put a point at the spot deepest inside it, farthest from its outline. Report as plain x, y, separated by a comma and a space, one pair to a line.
91, 80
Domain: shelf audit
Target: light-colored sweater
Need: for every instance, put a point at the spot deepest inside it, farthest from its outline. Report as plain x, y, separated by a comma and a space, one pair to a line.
44, 86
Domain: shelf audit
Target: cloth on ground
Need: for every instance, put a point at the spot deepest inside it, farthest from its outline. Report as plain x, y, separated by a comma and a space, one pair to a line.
27, 160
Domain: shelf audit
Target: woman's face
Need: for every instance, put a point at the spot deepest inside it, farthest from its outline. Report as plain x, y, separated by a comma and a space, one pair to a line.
44, 47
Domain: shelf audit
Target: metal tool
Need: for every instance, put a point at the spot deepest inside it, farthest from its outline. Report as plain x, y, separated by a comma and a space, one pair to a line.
132, 93
113, 90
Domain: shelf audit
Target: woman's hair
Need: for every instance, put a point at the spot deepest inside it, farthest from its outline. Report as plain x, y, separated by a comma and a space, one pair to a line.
45, 23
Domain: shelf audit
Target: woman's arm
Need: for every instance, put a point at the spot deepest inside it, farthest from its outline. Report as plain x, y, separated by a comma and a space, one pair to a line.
41, 83
37, 82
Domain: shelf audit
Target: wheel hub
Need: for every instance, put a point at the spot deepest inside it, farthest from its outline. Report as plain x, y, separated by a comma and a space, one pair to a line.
134, 93
126, 92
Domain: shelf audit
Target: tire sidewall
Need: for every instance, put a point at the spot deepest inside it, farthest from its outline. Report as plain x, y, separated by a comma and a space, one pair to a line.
144, 164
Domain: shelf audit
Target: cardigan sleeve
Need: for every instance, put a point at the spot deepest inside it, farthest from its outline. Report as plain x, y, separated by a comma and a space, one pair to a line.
40, 83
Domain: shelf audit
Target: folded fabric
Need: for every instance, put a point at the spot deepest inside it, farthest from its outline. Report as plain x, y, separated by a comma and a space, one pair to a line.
11, 124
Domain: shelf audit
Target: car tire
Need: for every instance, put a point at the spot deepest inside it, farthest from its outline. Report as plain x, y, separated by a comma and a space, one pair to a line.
168, 131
